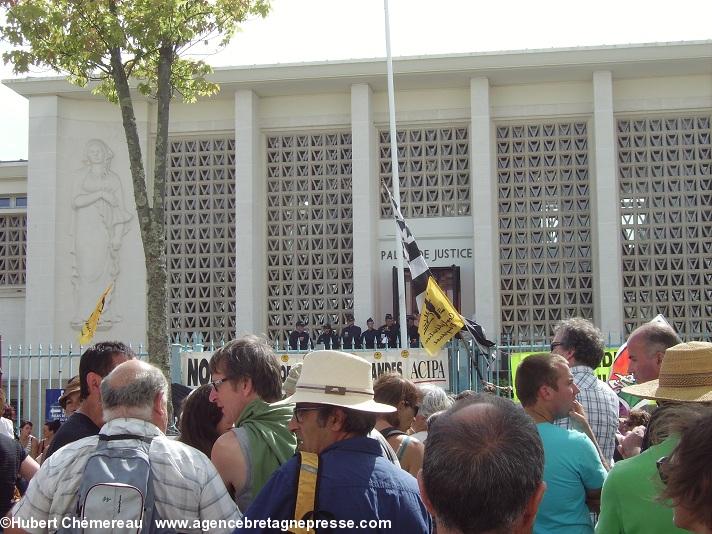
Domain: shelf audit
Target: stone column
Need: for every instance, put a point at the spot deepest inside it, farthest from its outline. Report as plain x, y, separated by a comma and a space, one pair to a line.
484, 209
250, 205
365, 203
608, 292
42, 169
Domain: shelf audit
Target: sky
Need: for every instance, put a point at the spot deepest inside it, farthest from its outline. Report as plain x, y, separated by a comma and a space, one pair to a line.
323, 30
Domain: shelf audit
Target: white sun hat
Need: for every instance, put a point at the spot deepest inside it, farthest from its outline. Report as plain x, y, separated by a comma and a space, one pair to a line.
338, 379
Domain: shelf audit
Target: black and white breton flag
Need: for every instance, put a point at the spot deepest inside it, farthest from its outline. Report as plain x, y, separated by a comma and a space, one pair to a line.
420, 273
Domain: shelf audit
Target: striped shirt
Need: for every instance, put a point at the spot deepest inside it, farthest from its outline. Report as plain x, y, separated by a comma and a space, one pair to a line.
186, 484
601, 405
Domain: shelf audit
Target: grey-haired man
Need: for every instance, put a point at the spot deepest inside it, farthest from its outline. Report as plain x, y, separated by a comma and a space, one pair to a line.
186, 485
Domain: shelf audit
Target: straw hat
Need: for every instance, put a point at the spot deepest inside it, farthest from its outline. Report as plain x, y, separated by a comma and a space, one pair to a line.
338, 379
72, 387
685, 375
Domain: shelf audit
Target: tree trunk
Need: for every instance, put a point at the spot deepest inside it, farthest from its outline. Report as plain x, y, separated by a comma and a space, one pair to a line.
151, 223
156, 272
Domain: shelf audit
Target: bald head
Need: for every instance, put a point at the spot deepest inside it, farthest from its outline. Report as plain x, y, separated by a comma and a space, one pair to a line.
135, 389
646, 349
483, 467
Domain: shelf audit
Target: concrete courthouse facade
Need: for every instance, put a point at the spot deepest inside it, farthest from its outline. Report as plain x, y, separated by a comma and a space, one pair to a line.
541, 184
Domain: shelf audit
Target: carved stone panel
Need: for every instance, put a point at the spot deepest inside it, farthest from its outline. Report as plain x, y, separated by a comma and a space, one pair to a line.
100, 222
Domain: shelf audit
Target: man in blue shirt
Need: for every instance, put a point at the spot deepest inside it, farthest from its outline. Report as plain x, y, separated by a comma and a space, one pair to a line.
355, 486
573, 471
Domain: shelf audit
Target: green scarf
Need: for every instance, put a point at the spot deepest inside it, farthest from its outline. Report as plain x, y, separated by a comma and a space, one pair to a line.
271, 442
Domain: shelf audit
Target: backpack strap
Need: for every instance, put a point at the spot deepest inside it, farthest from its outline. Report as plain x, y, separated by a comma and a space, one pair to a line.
115, 437
149, 505
403, 447
392, 431
307, 485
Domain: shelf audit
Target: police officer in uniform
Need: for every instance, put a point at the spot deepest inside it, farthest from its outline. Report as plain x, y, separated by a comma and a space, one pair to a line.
389, 334
328, 338
369, 338
299, 338
413, 335
350, 334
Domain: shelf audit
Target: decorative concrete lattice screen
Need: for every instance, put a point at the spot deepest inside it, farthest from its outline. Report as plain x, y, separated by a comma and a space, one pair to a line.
13, 244
665, 184
434, 171
544, 211
200, 238
309, 230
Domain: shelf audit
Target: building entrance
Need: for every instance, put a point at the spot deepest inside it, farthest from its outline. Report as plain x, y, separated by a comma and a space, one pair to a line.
448, 278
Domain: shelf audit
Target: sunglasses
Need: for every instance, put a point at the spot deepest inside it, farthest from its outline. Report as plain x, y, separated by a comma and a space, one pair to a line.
554, 345
300, 410
411, 405
662, 464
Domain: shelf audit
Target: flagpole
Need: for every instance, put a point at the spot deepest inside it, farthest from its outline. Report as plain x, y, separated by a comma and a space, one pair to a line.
396, 182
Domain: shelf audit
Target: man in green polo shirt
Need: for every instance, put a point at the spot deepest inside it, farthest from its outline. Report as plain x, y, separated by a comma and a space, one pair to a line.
629, 500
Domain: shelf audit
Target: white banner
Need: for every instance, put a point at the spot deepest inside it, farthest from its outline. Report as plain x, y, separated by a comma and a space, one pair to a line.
414, 364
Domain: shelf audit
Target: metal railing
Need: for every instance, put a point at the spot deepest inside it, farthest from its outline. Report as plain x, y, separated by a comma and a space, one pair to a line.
29, 371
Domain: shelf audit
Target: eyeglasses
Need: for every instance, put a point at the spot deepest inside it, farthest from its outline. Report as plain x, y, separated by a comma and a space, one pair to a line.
662, 464
299, 412
554, 345
217, 383
414, 406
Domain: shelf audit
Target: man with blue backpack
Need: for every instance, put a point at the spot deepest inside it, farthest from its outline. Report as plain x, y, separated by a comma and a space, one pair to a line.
130, 475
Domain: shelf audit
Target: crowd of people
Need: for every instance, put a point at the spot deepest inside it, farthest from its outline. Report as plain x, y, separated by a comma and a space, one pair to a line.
333, 446
352, 337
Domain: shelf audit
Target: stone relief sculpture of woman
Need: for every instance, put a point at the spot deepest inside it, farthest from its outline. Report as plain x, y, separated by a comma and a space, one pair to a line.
100, 223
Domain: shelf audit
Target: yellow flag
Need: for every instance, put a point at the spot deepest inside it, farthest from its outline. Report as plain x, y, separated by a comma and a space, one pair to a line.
89, 328
439, 320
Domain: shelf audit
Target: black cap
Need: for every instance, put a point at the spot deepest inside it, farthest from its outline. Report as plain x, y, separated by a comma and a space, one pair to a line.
300, 323
388, 316
327, 325
369, 320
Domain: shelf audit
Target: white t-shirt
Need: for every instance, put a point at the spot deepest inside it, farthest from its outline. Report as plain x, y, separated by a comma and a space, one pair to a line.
420, 436
6, 427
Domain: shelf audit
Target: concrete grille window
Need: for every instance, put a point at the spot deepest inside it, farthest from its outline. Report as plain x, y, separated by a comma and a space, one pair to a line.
545, 260
665, 186
13, 249
309, 230
434, 171
200, 238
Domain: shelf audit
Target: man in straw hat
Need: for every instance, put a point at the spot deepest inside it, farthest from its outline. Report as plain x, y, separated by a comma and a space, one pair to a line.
629, 500
340, 477
69, 401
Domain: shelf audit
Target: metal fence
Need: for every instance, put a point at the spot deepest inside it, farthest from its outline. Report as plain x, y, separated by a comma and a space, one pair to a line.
29, 371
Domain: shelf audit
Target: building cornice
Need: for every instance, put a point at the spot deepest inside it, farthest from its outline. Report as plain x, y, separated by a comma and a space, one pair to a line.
451, 70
